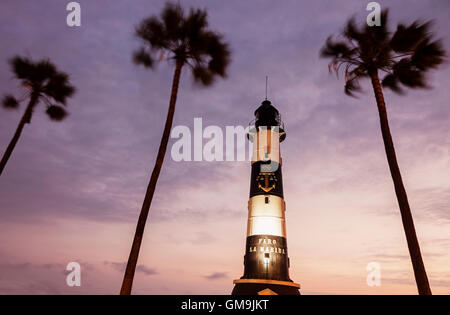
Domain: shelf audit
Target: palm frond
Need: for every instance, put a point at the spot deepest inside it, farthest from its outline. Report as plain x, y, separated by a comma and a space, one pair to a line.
56, 113
428, 54
59, 88
173, 18
10, 102
152, 30
406, 38
142, 57
336, 50
391, 81
185, 38
408, 74
23, 68
351, 31
195, 23
352, 86
220, 55
203, 75
44, 70
404, 56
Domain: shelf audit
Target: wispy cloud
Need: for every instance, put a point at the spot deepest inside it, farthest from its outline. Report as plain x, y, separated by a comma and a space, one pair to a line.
139, 268
216, 276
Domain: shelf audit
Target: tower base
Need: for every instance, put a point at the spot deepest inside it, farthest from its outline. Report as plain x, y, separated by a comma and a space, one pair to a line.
264, 287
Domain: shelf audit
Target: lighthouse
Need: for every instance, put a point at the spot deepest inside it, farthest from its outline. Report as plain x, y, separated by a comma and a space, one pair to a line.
266, 260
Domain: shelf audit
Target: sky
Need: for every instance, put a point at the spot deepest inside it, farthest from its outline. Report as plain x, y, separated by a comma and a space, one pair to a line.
72, 191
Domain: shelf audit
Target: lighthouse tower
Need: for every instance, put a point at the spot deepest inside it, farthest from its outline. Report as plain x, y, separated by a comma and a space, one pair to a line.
266, 261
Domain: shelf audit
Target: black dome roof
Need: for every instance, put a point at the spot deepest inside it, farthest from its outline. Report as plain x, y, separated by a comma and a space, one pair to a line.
266, 106
267, 115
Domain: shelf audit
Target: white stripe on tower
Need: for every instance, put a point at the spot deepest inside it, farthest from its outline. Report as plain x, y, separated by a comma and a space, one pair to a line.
266, 213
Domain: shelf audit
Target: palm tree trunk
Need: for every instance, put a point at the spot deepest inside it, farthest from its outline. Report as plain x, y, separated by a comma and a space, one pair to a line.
26, 118
413, 245
134, 254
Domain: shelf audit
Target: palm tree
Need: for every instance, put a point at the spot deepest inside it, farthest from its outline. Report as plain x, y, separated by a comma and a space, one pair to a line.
404, 57
42, 82
186, 40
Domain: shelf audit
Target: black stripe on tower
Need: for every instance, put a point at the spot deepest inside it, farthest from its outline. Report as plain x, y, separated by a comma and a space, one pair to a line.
266, 179
266, 257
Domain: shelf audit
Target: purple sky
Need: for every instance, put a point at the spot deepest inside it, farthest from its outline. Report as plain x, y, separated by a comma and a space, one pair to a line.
72, 191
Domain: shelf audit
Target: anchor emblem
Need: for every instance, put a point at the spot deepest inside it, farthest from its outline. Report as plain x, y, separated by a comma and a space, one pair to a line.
266, 177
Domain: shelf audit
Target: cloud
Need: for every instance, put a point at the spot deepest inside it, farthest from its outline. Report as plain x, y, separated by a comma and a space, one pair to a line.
26, 266
434, 203
120, 267
203, 238
145, 270
216, 276
443, 281
32, 278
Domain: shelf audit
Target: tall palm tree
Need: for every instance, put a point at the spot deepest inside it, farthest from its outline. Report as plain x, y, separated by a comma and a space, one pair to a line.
186, 40
404, 57
42, 82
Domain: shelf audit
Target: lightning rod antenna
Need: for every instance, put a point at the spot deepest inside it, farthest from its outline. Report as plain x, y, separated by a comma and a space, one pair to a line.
267, 79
